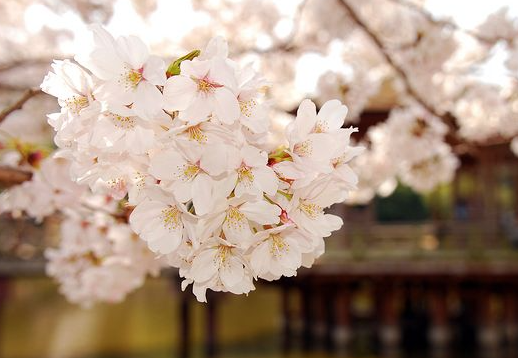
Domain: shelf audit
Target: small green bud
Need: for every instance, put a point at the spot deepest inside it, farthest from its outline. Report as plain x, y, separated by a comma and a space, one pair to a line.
174, 67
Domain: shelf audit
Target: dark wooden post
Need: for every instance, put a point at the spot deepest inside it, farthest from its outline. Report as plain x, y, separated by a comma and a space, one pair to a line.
439, 334
342, 314
511, 315
489, 334
210, 334
287, 318
185, 329
390, 330
307, 317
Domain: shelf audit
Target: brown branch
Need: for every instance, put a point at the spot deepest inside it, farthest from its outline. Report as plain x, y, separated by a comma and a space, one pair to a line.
28, 94
13, 176
445, 23
8, 66
388, 58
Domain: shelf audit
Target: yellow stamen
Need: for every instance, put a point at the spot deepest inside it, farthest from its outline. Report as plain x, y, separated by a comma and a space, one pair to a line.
278, 246
76, 103
312, 210
245, 175
195, 133
171, 218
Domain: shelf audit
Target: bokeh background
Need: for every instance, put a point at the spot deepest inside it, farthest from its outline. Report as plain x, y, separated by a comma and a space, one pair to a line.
411, 274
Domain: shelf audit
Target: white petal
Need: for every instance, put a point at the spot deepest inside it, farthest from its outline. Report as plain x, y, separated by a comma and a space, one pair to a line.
202, 197
132, 50
261, 212
226, 106
232, 273
179, 92
154, 71
148, 100
203, 266
332, 113
165, 165
266, 179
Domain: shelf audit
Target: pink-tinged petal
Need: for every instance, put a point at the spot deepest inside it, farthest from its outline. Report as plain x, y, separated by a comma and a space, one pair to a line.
266, 179
222, 73
332, 115
232, 273
179, 93
260, 258
261, 212
139, 140
202, 194
217, 47
148, 101
226, 106
214, 159
345, 173
211, 225
333, 223
305, 121
154, 71
166, 244
100, 57
198, 111
253, 157
182, 191
204, 266
197, 69
167, 165
289, 170
132, 51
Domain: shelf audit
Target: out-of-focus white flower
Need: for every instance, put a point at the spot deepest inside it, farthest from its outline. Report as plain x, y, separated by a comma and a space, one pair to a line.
99, 261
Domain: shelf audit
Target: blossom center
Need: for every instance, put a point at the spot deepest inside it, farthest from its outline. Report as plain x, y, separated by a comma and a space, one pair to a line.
76, 103
247, 107
171, 217
245, 175
321, 127
303, 149
235, 218
195, 133
221, 258
122, 121
131, 77
278, 246
205, 85
312, 210
189, 171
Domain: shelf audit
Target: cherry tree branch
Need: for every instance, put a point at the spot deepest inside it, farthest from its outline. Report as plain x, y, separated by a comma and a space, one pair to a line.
8, 66
446, 23
10, 176
28, 94
410, 90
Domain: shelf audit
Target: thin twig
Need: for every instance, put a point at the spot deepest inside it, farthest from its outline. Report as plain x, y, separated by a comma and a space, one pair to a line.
28, 94
446, 23
10, 176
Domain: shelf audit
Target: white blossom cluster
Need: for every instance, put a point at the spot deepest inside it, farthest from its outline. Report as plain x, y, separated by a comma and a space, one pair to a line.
98, 258
190, 152
408, 146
